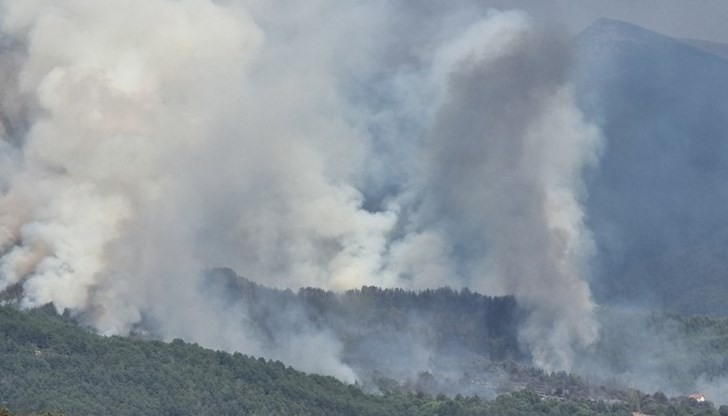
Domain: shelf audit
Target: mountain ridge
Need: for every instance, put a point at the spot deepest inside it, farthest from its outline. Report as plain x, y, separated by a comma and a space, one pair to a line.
660, 104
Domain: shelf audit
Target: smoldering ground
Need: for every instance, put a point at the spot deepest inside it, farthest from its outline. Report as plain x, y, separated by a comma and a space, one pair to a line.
327, 144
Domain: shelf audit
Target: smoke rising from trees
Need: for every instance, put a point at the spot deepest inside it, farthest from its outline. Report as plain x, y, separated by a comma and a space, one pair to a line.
146, 141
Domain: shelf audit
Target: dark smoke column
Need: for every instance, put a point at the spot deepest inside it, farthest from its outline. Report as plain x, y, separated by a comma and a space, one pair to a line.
506, 152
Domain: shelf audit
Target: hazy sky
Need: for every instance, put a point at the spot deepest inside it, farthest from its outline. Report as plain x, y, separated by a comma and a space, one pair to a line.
701, 19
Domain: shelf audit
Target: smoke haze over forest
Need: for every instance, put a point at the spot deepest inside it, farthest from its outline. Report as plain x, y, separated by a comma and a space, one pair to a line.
323, 144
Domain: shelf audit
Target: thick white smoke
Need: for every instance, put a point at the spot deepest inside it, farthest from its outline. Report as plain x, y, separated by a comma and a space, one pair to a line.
123, 95
165, 137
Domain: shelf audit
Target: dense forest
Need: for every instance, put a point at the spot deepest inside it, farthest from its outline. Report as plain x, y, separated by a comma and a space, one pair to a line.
378, 328
50, 363
469, 343
473, 363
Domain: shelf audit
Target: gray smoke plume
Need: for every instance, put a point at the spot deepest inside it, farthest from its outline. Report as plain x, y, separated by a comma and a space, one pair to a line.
506, 155
148, 140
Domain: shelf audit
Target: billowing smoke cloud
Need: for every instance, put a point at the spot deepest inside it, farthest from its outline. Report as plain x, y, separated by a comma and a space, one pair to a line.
148, 140
506, 154
121, 99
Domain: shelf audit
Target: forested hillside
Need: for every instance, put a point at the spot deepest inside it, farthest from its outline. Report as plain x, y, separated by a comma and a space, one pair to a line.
402, 332
447, 341
47, 362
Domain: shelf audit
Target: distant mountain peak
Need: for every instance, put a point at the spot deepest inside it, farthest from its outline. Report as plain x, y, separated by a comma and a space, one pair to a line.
606, 34
607, 22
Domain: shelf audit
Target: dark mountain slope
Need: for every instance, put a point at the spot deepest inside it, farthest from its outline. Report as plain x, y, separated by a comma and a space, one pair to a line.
658, 203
